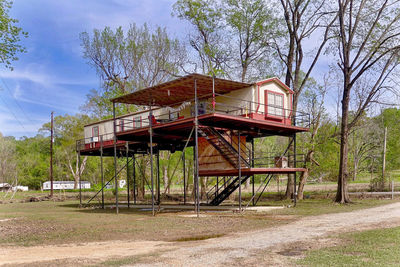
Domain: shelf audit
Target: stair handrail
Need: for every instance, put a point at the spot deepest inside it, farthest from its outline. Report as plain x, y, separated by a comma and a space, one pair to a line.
229, 189
215, 186
222, 138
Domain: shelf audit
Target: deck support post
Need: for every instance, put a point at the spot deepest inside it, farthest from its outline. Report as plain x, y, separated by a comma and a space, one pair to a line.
158, 177
252, 165
115, 160
196, 152
127, 172
151, 159
213, 93
184, 176
295, 174
102, 172
240, 174
217, 185
79, 176
134, 177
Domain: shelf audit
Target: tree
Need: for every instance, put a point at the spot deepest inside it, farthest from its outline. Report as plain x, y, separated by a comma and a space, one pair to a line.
365, 141
33, 160
208, 41
253, 26
304, 20
67, 130
313, 101
232, 37
391, 119
8, 172
129, 61
10, 36
367, 41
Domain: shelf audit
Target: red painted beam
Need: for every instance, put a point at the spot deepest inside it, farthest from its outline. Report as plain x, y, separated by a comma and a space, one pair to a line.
250, 171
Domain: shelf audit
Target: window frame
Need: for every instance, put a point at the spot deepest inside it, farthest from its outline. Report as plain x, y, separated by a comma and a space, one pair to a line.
282, 108
98, 132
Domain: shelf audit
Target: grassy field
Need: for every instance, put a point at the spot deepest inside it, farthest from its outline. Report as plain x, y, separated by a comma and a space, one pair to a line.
369, 248
50, 222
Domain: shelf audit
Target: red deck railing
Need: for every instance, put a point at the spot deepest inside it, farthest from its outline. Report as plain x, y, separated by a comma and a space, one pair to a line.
224, 105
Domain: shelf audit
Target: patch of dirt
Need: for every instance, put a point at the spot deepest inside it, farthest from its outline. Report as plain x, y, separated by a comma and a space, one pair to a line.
22, 230
94, 251
277, 246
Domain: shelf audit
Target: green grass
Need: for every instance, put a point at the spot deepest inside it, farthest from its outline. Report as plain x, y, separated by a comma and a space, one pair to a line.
369, 248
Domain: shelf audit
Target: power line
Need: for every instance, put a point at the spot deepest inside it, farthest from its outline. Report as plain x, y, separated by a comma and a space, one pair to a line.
15, 100
16, 118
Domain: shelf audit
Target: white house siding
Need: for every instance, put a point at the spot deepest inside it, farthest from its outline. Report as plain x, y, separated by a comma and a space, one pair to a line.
238, 99
106, 128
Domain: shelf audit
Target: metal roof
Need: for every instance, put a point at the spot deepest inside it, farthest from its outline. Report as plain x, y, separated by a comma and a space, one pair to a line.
180, 90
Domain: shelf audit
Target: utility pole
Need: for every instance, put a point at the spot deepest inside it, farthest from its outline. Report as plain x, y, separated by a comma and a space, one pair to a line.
51, 155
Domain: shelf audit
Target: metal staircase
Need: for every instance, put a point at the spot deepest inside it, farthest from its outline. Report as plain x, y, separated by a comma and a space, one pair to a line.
219, 193
226, 149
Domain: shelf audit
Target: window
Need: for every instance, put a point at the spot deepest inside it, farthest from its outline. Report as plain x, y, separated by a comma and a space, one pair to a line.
95, 131
274, 103
137, 122
95, 134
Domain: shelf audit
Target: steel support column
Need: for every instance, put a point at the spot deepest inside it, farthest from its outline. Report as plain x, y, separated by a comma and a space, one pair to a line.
295, 174
127, 171
196, 126
158, 177
115, 160
102, 172
240, 174
134, 177
184, 176
252, 165
79, 176
217, 185
151, 159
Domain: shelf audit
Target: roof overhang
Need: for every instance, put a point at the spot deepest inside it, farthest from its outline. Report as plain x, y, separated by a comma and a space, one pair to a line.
278, 82
180, 90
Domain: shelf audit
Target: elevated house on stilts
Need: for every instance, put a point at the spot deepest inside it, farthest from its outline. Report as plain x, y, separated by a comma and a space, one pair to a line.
219, 118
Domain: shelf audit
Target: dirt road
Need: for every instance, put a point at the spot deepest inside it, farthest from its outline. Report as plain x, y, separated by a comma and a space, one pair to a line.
249, 247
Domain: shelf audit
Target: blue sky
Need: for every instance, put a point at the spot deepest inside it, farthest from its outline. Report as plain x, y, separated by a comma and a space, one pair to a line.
52, 75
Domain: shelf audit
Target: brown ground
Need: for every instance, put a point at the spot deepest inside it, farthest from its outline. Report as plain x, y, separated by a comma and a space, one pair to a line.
274, 246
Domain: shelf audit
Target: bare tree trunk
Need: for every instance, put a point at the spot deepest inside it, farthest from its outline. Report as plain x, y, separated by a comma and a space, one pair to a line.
302, 182
166, 180
290, 180
78, 171
342, 195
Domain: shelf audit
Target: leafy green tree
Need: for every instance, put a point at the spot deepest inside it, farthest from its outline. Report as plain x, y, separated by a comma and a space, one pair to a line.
231, 38
67, 130
10, 36
253, 26
391, 119
8, 172
129, 61
367, 42
33, 160
208, 41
